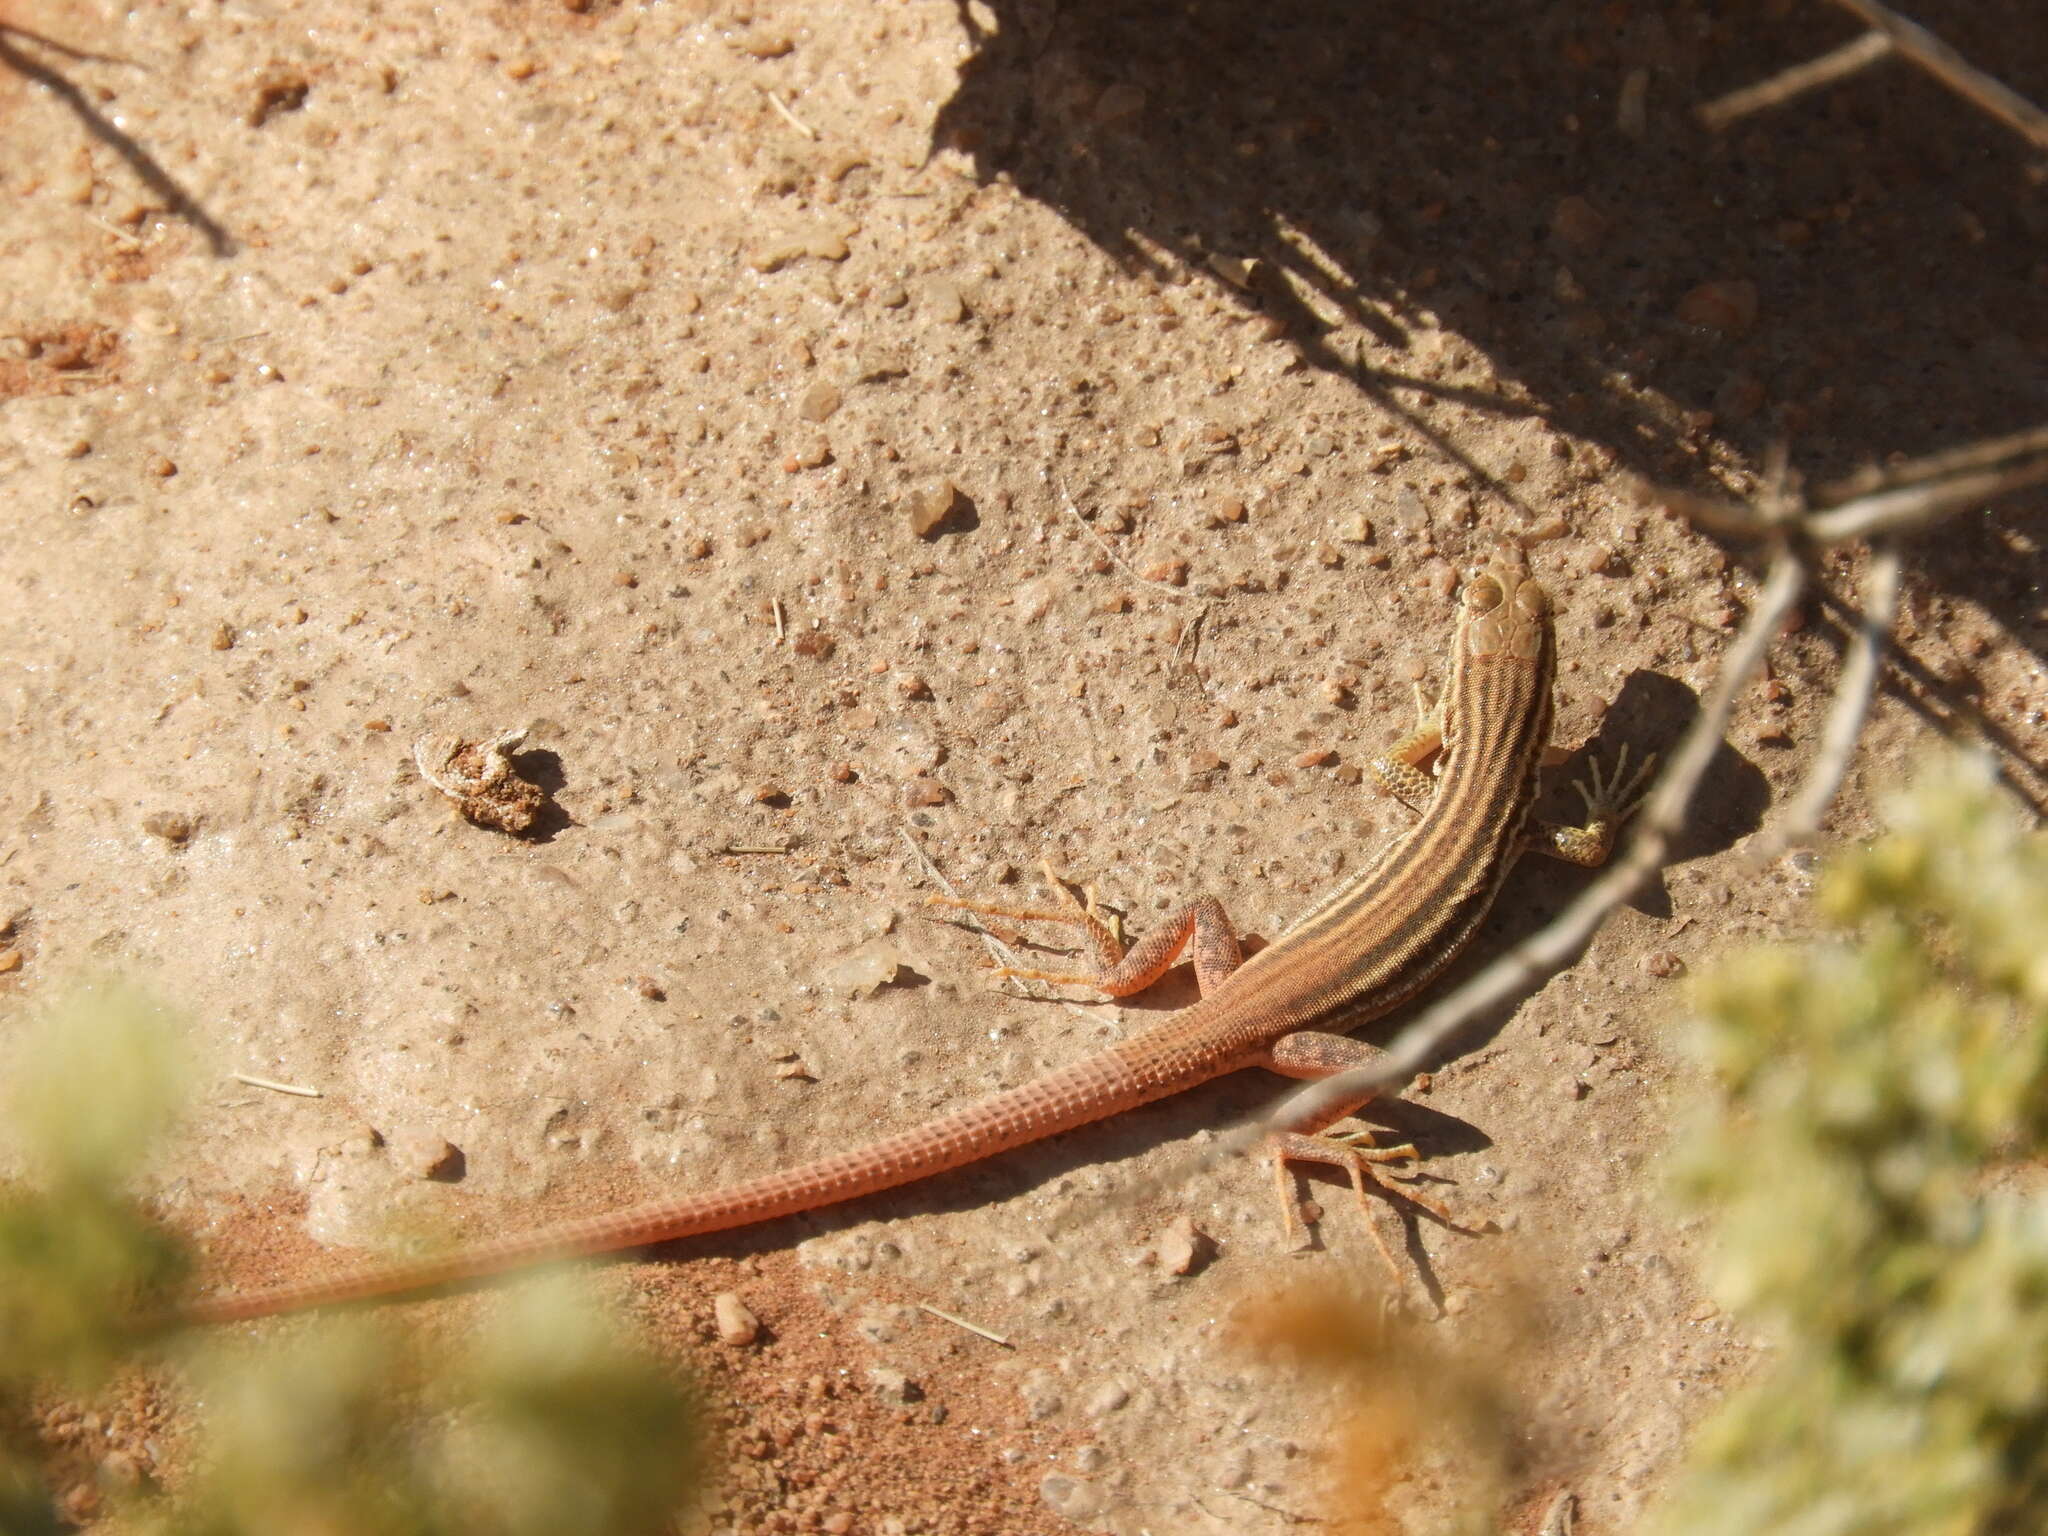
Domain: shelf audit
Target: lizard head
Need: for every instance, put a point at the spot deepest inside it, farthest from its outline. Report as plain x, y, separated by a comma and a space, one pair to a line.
1506, 610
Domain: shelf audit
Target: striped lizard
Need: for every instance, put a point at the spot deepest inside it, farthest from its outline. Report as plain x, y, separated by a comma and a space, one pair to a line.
1368, 946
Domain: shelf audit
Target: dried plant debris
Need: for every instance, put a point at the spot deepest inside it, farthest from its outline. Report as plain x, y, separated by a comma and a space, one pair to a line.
479, 777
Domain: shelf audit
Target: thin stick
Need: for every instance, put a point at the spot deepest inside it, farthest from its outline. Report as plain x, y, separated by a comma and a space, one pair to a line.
1004, 956
1859, 53
790, 117
961, 1322
1853, 694
1933, 466
1000, 952
1876, 502
66, 49
1907, 508
1923, 48
276, 1087
777, 603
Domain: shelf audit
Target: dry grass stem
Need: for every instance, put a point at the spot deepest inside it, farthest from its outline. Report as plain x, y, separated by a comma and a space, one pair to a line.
1857, 54
1916, 43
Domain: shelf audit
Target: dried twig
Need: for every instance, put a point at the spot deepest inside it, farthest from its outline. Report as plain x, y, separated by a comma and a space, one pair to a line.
1845, 719
1874, 503
1922, 47
961, 1322
1992, 451
1859, 53
790, 117
276, 1087
1104, 545
1889, 34
1912, 506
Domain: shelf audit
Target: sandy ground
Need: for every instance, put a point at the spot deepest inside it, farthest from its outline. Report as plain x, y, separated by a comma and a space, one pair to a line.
373, 371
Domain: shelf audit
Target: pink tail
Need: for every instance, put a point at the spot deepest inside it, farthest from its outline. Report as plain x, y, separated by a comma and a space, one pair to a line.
1101, 1085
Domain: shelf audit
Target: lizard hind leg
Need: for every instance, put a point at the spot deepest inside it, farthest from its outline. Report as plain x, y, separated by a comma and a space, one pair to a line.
1202, 924
1313, 1055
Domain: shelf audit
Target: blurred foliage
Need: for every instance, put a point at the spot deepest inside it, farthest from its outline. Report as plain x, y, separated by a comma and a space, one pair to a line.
92, 1085
1415, 1401
544, 1419
1871, 1176
1871, 1173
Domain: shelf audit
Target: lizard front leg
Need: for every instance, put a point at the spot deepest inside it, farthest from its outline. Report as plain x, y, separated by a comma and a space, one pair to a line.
1202, 924
1610, 798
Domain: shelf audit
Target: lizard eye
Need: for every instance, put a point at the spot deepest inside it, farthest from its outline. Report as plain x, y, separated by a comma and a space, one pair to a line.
1484, 593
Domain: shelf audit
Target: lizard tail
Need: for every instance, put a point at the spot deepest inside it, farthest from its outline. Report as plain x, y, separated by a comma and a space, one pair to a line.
1088, 1090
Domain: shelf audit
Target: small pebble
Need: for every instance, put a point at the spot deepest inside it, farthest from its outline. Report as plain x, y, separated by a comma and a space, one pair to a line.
1107, 1398
942, 301
174, 827
1120, 101
737, 1326
1072, 1498
1040, 1391
1577, 223
893, 1387
1727, 306
818, 402
1663, 964
1183, 1247
424, 1155
931, 506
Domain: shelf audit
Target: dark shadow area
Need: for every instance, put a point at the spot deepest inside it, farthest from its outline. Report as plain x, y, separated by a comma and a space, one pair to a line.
1651, 713
1991, 562
543, 768
146, 167
1856, 274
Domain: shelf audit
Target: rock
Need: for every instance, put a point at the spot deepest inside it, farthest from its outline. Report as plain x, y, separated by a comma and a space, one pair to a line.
893, 1387
479, 777
1183, 1248
737, 1326
1724, 305
423, 1155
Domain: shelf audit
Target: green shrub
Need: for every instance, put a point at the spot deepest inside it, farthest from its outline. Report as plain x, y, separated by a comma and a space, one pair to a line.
1866, 1173
544, 1420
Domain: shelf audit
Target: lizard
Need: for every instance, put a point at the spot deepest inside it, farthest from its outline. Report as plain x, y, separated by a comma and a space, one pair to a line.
1369, 945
